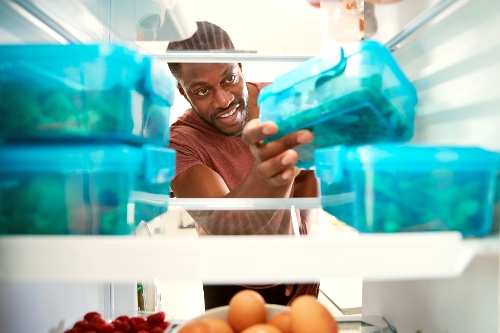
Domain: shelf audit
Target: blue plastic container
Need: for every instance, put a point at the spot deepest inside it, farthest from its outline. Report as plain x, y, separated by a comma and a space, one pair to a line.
355, 96
104, 92
400, 188
80, 189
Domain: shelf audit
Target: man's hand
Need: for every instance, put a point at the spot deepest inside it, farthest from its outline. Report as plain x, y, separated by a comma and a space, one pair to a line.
275, 161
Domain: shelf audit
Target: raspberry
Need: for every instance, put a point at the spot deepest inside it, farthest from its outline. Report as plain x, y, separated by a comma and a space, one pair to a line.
121, 326
157, 330
95, 322
106, 328
156, 318
164, 325
89, 315
134, 321
142, 331
123, 318
142, 327
81, 326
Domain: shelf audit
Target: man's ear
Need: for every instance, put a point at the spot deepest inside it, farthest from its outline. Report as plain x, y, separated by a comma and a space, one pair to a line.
241, 69
181, 90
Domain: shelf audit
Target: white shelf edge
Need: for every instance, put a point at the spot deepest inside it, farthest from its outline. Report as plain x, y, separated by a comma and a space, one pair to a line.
214, 56
236, 259
237, 203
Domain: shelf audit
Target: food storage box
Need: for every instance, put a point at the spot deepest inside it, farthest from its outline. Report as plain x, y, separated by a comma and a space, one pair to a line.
355, 96
79, 189
403, 188
66, 92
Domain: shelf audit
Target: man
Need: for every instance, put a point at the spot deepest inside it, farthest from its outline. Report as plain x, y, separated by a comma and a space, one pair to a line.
220, 154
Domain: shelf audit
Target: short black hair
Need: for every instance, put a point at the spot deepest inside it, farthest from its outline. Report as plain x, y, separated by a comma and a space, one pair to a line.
208, 37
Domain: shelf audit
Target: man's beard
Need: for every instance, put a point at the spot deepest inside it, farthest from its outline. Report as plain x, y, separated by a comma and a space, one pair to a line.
244, 103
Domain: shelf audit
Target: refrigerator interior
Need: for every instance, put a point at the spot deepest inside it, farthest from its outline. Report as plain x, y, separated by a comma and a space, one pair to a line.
450, 51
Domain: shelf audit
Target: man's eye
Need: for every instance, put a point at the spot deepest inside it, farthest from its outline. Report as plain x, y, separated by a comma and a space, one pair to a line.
231, 78
202, 92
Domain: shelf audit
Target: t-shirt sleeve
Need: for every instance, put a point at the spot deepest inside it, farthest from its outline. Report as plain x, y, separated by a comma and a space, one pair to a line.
261, 85
186, 157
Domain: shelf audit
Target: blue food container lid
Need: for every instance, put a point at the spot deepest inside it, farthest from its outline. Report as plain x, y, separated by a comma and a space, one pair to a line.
332, 161
332, 60
156, 164
80, 67
88, 67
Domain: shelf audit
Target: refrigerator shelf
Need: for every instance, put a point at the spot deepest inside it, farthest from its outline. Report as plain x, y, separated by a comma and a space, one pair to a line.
241, 259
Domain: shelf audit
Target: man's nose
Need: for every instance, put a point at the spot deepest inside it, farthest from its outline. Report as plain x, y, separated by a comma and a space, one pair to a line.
222, 98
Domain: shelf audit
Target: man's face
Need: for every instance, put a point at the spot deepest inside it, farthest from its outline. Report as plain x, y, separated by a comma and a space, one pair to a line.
217, 93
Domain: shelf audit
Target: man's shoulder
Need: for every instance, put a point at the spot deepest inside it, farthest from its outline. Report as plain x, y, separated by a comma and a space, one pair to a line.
190, 128
188, 121
260, 85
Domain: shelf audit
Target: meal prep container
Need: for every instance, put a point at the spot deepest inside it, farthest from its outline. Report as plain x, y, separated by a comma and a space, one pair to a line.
356, 95
80, 189
105, 92
399, 188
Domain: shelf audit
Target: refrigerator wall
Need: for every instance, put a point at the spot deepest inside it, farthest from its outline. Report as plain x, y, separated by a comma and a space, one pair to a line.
454, 63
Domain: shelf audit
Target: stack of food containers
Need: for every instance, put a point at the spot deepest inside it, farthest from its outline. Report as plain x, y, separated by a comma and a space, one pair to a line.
82, 128
361, 107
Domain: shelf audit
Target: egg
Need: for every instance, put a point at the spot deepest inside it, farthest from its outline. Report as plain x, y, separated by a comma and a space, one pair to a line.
219, 325
197, 327
262, 328
246, 308
308, 315
283, 321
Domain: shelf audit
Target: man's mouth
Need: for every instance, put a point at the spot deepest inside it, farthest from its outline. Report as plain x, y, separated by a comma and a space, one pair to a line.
230, 113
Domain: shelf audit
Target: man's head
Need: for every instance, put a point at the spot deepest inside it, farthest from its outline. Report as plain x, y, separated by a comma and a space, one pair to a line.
217, 92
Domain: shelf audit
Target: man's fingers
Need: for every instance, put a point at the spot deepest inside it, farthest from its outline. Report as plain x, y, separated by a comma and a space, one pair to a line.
275, 161
266, 151
254, 131
279, 169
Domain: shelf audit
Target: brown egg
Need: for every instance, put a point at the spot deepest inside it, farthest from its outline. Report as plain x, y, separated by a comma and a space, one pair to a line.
310, 316
197, 327
283, 321
262, 328
246, 308
218, 324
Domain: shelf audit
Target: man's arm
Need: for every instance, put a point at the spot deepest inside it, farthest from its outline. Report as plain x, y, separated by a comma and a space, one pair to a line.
306, 186
271, 176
